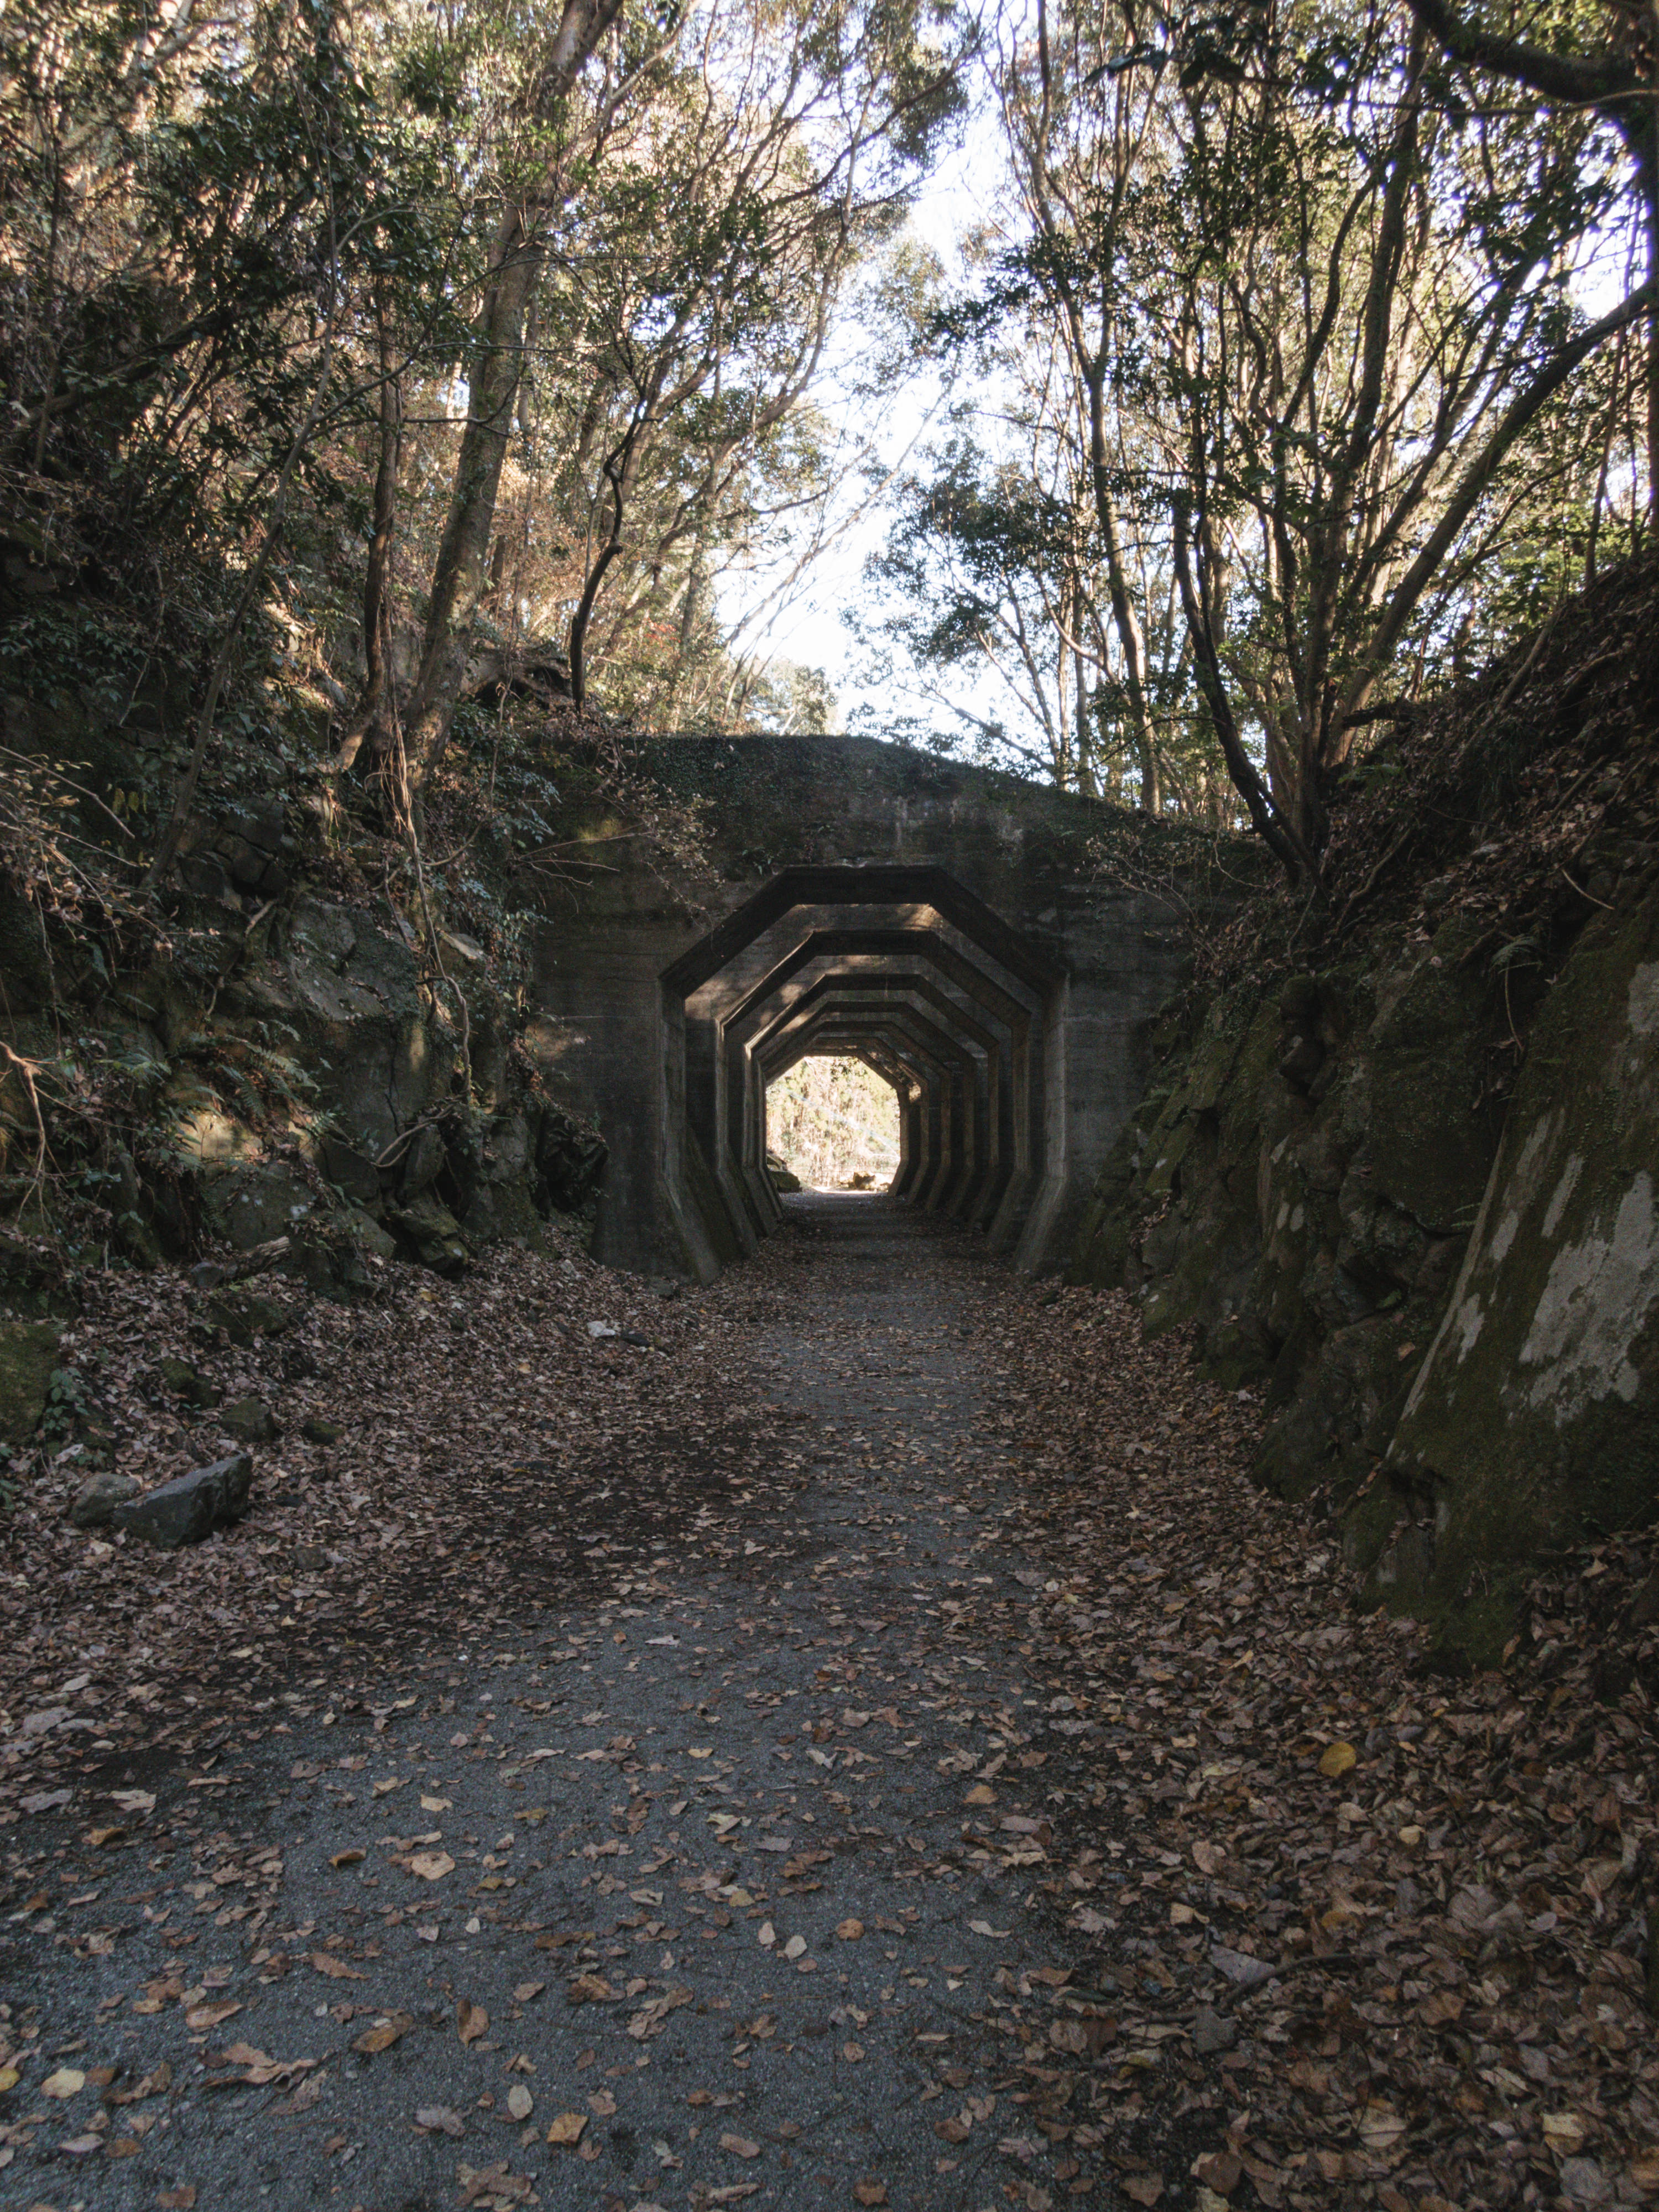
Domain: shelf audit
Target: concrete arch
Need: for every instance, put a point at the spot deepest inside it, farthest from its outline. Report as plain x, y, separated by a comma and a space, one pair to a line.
903, 955
945, 924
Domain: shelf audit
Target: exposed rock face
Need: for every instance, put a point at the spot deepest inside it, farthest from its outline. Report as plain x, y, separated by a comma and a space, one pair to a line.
95, 1503
192, 1506
1536, 1414
1307, 1181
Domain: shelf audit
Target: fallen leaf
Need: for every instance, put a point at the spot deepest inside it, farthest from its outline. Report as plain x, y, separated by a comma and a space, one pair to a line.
740, 2146
210, 2015
984, 1928
337, 1969
352, 1857
526, 1991
850, 1930
590, 1988
1143, 2188
178, 2200
438, 2118
519, 2102
870, 2191
1337, 1759
980, 1794
67, 2081
471, 2021
795, 1948
432, 1866
567, 2128
1563, 2131
380, 2038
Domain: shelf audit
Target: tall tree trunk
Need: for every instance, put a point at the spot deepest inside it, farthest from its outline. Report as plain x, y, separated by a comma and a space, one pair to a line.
495, 372
376, 622
461, 572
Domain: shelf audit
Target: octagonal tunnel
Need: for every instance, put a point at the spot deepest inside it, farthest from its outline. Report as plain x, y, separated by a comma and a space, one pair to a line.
905, 970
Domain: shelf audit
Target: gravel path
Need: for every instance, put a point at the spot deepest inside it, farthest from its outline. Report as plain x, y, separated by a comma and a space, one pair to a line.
718, 1886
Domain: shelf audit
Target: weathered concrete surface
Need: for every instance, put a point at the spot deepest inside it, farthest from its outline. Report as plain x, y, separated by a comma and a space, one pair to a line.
1018, 994
1534, 1419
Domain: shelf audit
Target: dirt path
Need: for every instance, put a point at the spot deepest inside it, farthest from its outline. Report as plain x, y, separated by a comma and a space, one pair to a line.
714, 1899
945, 1783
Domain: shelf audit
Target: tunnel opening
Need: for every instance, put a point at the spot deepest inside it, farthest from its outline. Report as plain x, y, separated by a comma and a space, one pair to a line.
832, 1123
913, 977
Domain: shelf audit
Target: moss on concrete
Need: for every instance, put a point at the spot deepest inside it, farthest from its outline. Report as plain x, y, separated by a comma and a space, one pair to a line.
1535, 1421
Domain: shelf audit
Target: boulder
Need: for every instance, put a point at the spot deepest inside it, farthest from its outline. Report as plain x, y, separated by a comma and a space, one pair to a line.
250, 1421
96, 1501
28, 1357
192, 1506
367, 1234
317, 1429
431, 1235
184, 1382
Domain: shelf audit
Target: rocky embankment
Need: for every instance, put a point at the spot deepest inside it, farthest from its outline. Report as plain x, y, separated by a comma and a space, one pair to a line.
1404, 1186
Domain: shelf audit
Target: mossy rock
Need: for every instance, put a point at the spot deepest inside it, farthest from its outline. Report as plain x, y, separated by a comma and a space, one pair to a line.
28, 1359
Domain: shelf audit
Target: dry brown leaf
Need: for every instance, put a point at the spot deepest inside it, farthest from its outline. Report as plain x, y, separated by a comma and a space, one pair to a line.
471, 2021
337, 1969
567, 2128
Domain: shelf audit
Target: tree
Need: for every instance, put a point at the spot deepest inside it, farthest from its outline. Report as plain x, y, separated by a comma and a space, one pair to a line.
1619, 80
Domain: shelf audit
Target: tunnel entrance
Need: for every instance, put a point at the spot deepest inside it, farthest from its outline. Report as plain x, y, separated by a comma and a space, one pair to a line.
832, 1123
906, 972
950, 926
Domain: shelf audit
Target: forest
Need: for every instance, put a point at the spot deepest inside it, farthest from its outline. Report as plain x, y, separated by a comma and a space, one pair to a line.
829, 876
374, 374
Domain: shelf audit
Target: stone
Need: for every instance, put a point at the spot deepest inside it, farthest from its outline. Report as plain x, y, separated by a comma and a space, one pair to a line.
249, 1420
252, 1203
184, 1382
352, 1172
317, 1429
1212, 2032
96, 1501
431, 1234
596, 1329
192, 1506
367, 1234
29, 1357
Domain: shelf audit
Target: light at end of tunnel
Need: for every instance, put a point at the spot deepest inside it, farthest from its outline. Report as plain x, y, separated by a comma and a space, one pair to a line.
833, 1124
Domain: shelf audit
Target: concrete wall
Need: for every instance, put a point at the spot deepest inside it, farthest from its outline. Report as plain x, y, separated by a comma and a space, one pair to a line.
941, 921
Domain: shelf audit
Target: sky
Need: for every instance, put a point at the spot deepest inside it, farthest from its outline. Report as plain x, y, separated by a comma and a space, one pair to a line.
957, 199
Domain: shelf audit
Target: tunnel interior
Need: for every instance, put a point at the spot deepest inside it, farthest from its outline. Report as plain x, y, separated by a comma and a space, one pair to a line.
904, 969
